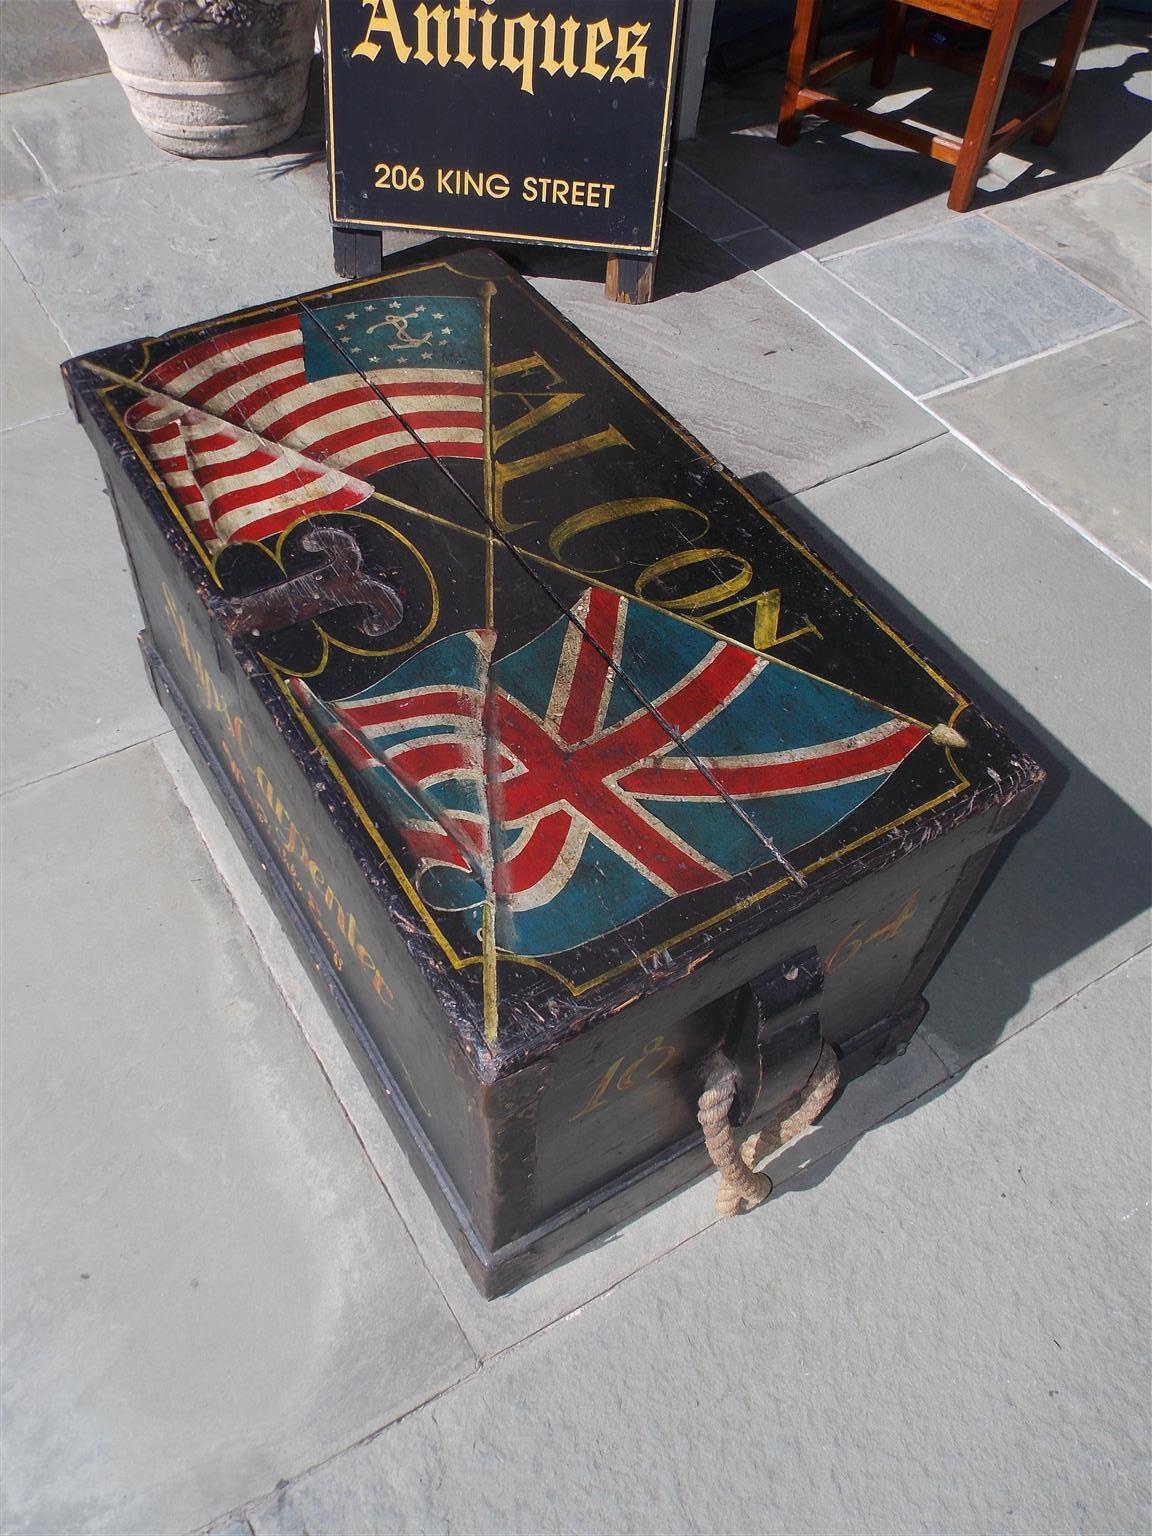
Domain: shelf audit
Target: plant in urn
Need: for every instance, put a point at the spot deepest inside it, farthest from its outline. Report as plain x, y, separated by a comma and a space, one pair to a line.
213, 78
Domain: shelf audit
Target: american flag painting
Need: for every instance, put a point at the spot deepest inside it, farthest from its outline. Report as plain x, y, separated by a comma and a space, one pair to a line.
299, 410
539, 782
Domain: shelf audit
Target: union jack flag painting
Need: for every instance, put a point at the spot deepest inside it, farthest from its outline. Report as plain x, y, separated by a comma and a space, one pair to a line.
540, 782
258, 426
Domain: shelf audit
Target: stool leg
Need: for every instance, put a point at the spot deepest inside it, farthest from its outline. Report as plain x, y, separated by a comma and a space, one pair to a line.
1068, 56
891, 31
805, 31
985, 107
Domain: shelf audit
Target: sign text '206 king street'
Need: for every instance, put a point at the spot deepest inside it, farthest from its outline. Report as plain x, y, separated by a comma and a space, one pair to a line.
492, 118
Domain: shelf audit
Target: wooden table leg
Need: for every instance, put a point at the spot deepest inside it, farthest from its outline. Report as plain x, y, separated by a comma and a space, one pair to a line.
986, 106
629, 279
357, 252
888, 48
805, 34
1067, 57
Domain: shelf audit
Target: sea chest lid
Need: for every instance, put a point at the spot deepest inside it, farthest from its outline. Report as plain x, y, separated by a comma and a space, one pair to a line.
595, 713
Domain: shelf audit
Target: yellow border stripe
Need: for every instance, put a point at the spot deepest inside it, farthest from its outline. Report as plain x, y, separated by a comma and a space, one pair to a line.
512, 234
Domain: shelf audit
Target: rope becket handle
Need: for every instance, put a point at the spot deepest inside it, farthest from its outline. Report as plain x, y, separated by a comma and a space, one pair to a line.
741, 1187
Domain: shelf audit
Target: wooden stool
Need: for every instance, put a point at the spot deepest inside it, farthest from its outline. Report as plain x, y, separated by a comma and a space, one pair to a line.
804, 89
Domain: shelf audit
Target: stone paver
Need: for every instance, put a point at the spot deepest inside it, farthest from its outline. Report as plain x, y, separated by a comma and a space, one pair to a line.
81, 131
830, 191
73, 684
115, 259
206, 1287
763, 386
1101, 229
892, 347
30, 386
46, 40
704, 206
846, 1361
1073, 425
1023, 608
493, 1326
977, 294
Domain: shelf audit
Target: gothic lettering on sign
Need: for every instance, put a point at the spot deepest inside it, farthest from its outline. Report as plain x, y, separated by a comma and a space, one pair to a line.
493, 118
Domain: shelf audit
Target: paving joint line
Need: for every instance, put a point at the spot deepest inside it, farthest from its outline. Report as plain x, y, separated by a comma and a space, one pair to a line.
925, 404
685, 169
885, 458
989, 216
1033, 357
833, 276
33, 421
31, 286
1017, 1034
46, 85
1065, 517
87, 762
36, 161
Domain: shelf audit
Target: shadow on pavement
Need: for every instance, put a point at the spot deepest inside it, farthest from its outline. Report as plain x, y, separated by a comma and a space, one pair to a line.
830, 184
1088, 852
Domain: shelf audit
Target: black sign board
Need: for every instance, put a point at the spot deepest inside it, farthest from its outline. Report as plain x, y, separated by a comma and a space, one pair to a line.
494, 119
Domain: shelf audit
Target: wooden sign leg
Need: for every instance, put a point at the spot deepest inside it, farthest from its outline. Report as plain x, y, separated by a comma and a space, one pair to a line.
629, 279
357, 252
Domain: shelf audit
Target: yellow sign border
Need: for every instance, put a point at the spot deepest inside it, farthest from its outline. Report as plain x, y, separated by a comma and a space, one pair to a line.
509, 234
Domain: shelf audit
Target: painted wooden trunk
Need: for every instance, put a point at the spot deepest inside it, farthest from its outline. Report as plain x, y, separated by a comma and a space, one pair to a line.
571, 770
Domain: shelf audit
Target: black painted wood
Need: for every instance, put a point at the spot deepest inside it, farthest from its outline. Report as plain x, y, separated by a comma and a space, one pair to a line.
566, 763
356, 252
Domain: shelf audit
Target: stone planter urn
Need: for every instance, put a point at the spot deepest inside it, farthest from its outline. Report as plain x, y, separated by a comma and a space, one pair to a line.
212, 78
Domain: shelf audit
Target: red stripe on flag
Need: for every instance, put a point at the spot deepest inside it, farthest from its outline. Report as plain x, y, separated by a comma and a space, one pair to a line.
276, 522
592, 676
417, 763
328, 405
264, 490
164, 373
235, 373
434, 847
243, 464
535, 856
775, 778
434, 701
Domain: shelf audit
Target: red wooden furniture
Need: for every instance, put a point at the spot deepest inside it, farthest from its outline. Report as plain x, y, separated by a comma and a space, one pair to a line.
806, 83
